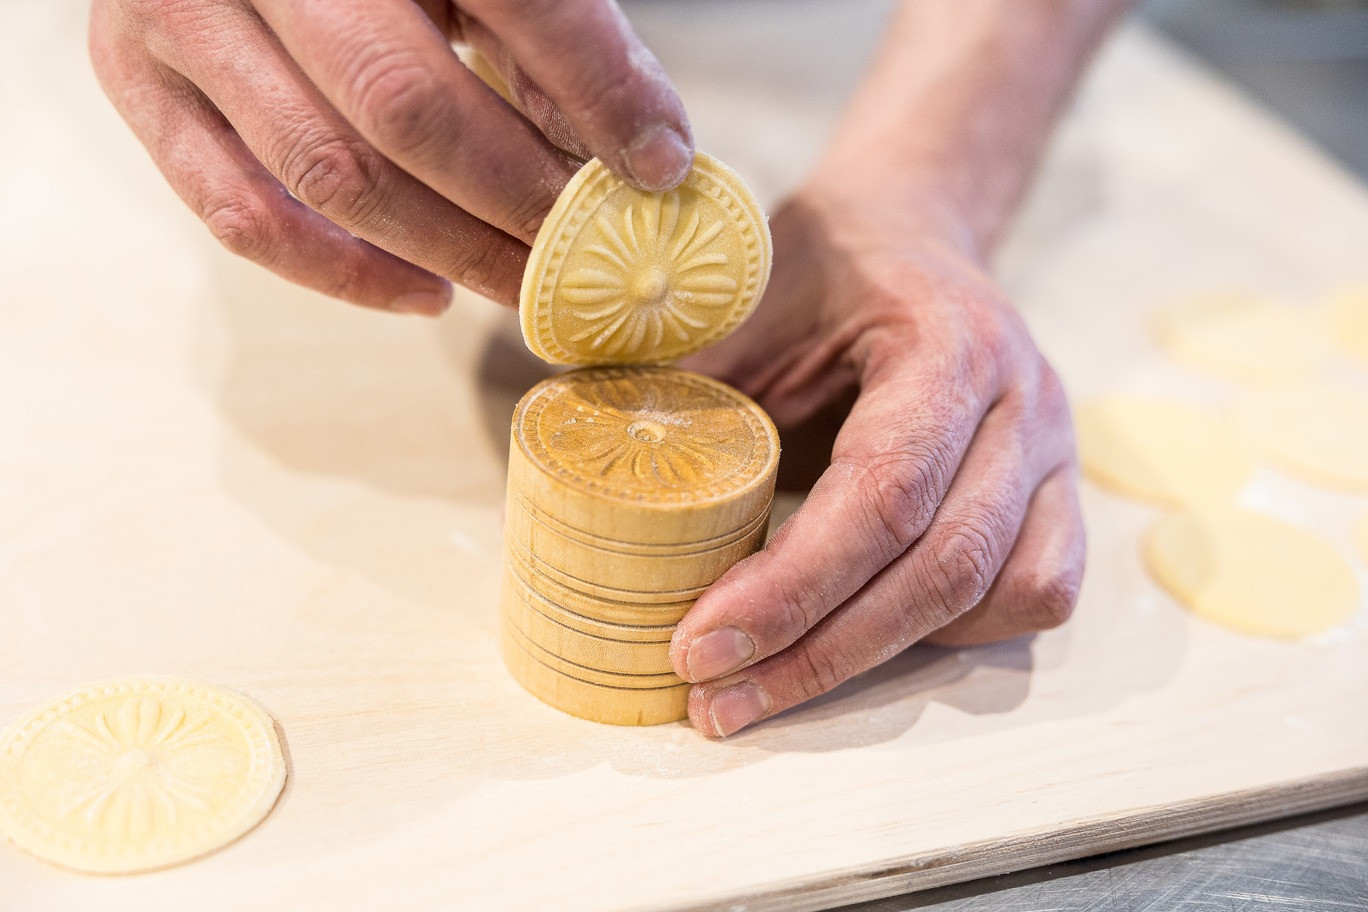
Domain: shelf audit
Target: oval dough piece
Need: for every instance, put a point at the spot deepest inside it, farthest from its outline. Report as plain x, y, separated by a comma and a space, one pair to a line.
621, 276
1349, 319
1317, 432
1251, 573
1243, 338
1165, 452
137, 774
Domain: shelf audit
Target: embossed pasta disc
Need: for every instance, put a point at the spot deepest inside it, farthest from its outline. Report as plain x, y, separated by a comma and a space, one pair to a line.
621, 276
657, 439
137, 774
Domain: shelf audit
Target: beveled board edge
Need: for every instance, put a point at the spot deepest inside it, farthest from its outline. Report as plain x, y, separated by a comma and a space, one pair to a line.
1127, 830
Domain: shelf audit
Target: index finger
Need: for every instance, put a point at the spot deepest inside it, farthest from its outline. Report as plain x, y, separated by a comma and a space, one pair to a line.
587, 59
394, 77
893, 463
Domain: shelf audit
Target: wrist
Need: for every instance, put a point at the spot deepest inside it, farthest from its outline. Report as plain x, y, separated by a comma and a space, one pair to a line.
883, 203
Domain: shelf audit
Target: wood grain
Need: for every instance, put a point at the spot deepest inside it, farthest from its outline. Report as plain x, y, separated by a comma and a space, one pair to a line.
206, 473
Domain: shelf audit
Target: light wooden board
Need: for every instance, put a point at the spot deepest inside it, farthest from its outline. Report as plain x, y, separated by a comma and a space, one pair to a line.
207, 473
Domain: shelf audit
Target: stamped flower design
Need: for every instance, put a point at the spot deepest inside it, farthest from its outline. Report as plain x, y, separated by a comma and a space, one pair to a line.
139, 764
614, 431
658, 275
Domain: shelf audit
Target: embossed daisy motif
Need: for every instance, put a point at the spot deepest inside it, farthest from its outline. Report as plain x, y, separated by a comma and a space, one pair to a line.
658, 272
615, 430
621, 276
137, 774
144, 763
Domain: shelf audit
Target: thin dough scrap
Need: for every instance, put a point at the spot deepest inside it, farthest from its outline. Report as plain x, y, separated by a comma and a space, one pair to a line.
1251, 573
1243, 337
1361, 536
1161, 451
137, 774
1315, 431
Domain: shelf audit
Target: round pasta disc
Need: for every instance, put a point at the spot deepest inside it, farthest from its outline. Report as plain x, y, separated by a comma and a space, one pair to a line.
1164, 452
137, 774
621, 276
1251, 573
1315, 431
1244, 338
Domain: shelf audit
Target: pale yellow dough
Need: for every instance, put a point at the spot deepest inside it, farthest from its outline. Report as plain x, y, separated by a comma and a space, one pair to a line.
1315, 431
137, 774
481, 67
1349, 321
1165, 452
1361, 536
1251, 573
620, 276
1243, 338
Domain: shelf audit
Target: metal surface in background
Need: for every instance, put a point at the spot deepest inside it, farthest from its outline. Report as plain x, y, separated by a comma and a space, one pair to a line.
1307, 61
1313, 863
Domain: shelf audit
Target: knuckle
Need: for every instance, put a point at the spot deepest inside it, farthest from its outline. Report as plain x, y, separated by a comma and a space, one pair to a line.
528, 214
818, 671
1050, 599
335, 178
961, 570
480, 266
398, 103
1054, 400
902, 491
241, 226
604, 90
790, 617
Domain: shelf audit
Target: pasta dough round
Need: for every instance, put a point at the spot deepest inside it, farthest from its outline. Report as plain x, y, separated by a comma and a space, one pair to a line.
1165, 452
137, 774
1315, 431
1251, 573
620, 276
1243, 338
1349, 318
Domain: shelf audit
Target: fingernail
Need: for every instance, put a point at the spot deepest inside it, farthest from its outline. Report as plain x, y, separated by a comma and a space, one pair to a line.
737, 706
716, 653
426, 303
658, 158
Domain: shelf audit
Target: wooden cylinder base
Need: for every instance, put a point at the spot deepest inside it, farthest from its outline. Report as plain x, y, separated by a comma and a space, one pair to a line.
595, 702
624, 566
630, 492
604, 653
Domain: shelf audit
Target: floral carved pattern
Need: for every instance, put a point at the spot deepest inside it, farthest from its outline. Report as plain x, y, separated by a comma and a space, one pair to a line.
139, 766
615, 430
661, 272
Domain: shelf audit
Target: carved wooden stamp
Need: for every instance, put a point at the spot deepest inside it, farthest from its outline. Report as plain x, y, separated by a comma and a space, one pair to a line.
631, 488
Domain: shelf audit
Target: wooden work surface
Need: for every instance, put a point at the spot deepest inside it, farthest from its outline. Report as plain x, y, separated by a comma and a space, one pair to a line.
206, 472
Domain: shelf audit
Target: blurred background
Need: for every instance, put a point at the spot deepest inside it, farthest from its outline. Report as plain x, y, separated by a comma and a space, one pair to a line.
1305, 59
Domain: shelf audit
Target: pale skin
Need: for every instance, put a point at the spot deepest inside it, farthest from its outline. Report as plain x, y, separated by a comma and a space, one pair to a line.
949, 513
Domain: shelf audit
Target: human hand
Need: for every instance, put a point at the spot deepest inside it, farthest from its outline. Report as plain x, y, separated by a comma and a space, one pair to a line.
403, 170
949, 513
